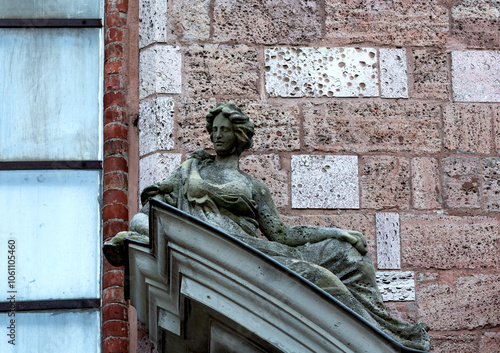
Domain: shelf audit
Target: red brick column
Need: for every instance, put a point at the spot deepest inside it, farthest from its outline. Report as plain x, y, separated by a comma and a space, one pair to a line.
115, 183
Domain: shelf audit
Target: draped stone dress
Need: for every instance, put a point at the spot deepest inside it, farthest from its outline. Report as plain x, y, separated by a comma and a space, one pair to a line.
333, 265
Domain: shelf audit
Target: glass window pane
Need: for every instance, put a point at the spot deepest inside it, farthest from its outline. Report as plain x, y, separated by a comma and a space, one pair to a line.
51, 9
75, 331
54, 218
50, 91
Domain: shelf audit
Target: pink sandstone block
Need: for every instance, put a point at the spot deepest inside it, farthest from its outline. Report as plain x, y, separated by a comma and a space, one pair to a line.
430, 75
426, 187
385, 182
372, 127
491, 183
462, 182
397, 23
467, 128
445, 242
446, 343
464, 302
267, 22
490, 342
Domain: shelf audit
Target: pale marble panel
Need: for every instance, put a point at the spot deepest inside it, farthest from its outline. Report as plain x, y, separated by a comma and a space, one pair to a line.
160, 70
393, 78
388, 241
321, 72
157, 167
325, 182
396, 285
152, 22
476, 76
156, 122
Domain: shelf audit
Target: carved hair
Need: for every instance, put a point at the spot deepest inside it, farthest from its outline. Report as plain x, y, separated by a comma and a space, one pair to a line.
243, 127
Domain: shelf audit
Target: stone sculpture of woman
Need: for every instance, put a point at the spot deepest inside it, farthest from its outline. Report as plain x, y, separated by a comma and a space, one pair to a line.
214, 189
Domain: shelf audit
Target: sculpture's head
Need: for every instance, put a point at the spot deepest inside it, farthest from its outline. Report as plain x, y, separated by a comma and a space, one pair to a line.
241, 124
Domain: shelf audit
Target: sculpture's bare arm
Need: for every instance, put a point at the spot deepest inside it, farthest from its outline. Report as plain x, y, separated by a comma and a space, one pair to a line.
273, 228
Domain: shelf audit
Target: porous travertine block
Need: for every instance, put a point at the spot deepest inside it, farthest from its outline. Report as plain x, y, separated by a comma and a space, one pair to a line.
157, 167
190, 19
385, 182
393, 74
467, 128
269, 169
361, 223
325, 182
446, 343
372, 127
430, 75
396, 286
388, 241
152, 22
276, 128
426, 186
491, 183
490, 342
267, 22
475, 75
462, 182
465, 302
212, 70
397, 23
475, 23
321, 72
159, 70
156, 121
445, 242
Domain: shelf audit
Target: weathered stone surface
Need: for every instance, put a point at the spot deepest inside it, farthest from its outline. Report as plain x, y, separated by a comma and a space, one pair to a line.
426, 187
491, 183
269, 169
388, 241
403, 311
430, 75
445, 242
152, 22
325, 182
267, 22
475, 75
372, 127
159, 70
496, 124
475, 23
453, 343
321, 72
490, 342
361, 223
276, 128
398, 23
156, 121
467, 128
190, 19
462, 182
466, 302
212, 70
157, 167
393, 74
396, 286
385, 182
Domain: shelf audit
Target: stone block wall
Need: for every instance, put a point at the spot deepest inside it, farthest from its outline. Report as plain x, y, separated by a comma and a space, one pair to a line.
380, 116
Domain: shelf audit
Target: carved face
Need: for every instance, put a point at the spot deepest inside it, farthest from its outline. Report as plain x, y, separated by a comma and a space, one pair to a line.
223, 136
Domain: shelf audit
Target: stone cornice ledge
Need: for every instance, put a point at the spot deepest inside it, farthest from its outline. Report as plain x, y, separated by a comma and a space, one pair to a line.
253, 296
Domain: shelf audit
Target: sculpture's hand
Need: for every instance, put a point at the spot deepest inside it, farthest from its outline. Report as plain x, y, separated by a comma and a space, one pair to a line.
356, 239
165, 186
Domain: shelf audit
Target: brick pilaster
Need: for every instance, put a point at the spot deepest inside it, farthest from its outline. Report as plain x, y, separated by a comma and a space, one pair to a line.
115, 183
